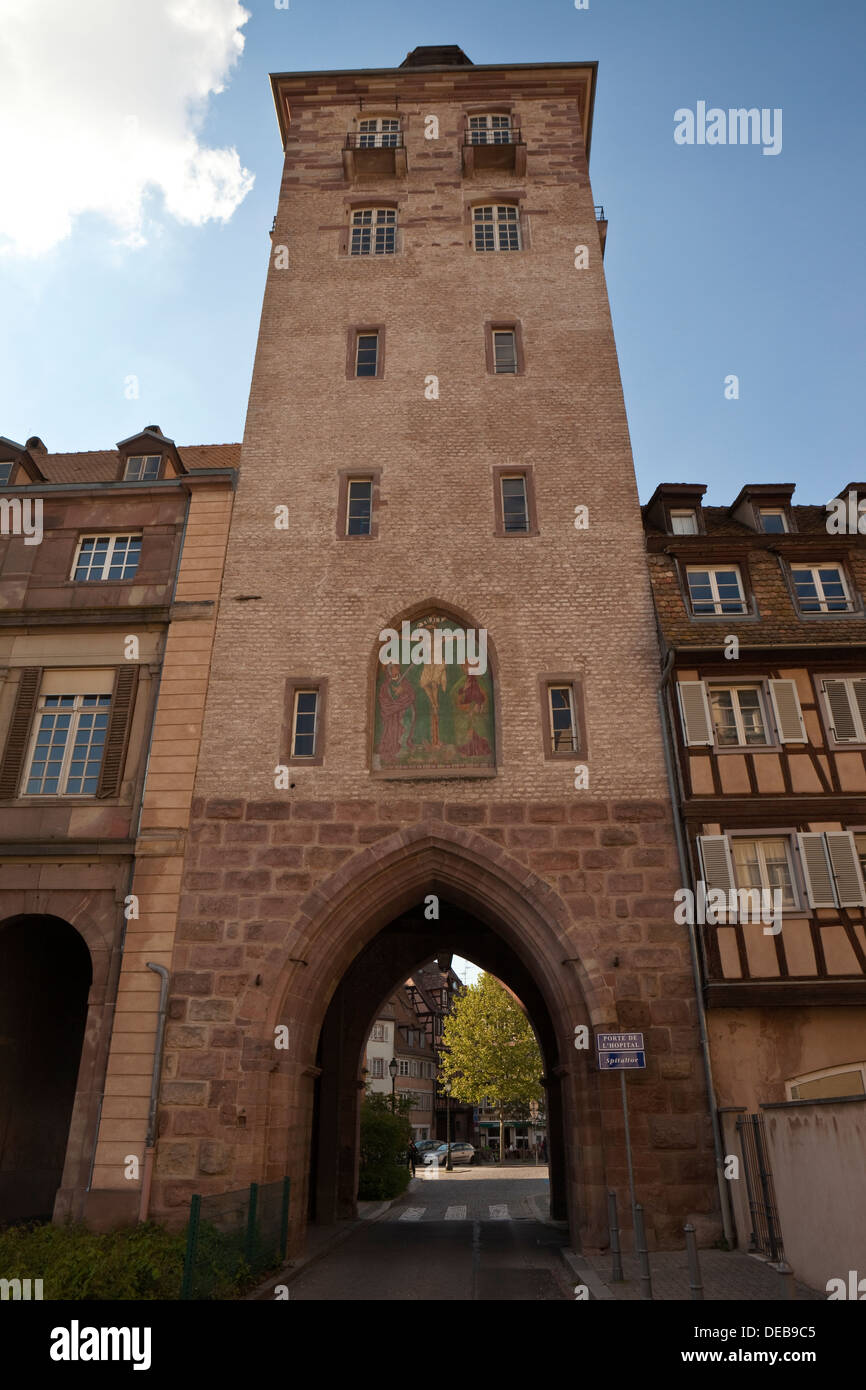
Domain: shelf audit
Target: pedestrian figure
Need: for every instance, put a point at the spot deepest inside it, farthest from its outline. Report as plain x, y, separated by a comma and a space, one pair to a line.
413, 1156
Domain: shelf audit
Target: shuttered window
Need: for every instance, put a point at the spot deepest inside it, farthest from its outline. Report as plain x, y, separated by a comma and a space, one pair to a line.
716, 863
845, 698
786, 707
746, 863
736, 716
695, 712
831, 869
19, 731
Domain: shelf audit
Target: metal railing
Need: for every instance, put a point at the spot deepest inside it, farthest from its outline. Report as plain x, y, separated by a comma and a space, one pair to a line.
765, 1234
374, 140
502, 136
233, 1237
599, 213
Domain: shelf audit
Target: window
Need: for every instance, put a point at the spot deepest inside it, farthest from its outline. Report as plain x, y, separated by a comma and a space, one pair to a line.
373, 232
378, 1033
765, 864
845, 699
831, 868
5, 473
497, 228
504, 351
738, 715
563, 734
377, 1068
304, 723
515, 511
68, 743
143, 468
489, 130
403, 1068
359, 507
772, 520
684, 523
367, 354
107, 557
377, 131
413, 1069
825, 1085
715, 590
821, 589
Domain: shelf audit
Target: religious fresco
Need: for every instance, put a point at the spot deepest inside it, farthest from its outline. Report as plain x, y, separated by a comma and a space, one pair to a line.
434, 715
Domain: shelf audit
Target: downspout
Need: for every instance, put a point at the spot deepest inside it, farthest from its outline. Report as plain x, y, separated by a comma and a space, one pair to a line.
685, 879
150, 1140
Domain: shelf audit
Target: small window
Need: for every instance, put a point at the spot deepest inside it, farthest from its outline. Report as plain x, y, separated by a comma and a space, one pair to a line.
377, 1068
765, 863
376, 132
68, 744
378, 1033
684, 523
403, 1068
773, 520
497, 228
106, 557
504, 351
515, 510
359, 507
821, 589
367, 354
845, 1081
373, 232
738, 715
143, 468
563, 732
490, 130
304, 723
715, 591
5, 473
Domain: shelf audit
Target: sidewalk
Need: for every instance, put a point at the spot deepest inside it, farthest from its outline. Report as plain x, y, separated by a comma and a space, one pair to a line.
726, 1275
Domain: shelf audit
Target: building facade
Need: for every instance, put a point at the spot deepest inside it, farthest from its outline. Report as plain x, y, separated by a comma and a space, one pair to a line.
399, 1034
110, 564
436, 437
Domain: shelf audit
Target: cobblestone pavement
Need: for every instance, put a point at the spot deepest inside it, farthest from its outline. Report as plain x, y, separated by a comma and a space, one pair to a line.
730, 1275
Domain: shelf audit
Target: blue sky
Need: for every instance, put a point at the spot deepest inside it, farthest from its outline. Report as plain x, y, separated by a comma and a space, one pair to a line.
720, 259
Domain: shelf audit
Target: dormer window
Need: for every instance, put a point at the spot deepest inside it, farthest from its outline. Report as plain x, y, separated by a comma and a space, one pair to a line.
684, 522
5, 473
772, 520
142, 468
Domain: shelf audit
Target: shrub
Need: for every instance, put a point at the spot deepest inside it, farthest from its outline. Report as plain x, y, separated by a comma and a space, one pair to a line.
384, 1141
140, 1262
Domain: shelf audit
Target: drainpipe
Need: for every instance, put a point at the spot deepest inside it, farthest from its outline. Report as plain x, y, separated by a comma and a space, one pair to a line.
150, 1141
685, 879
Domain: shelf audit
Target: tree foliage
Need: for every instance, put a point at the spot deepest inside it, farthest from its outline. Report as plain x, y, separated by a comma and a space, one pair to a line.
384, 1140
491, 1049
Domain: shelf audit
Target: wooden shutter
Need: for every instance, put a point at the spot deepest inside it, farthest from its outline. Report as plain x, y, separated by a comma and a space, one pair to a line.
846, 868
20, 726
117, 734
695, 712
859, 688
786, 708
816, 870
841, 714
716, 861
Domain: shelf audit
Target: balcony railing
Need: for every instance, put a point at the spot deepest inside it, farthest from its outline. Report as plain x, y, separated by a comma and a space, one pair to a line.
499, 147
374, 140
374, 154
503, 136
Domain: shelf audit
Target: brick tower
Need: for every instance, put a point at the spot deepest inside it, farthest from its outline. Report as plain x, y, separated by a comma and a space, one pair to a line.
437, 437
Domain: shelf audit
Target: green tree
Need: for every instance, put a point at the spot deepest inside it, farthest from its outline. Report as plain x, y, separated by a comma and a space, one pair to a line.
490, 1051
384, 1140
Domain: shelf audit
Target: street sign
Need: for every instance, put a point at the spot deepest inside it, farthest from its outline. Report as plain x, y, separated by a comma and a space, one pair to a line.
619, 1042
621, 1061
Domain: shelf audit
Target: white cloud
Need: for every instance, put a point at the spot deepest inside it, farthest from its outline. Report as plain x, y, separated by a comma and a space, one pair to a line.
102, 102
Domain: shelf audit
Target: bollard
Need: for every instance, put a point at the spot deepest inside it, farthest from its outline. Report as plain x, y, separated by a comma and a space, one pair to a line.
696, 1288
616, 1272
786, 1280
646, 1287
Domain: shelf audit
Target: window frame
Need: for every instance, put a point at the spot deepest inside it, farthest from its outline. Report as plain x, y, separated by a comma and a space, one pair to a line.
800, 903
487, 117
378, 142
491, 328
75, 712
677, 512
711, 570
131, 458
765, 705
345, 477
297, 685
840, 1069
833, 743
500, 472
822, 612
113, 537
772, 511
10, 465
373, 209
505, 202
575, 684
357, 331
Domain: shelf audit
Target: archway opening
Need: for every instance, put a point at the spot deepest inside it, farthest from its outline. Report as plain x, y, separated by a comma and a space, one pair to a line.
45, 978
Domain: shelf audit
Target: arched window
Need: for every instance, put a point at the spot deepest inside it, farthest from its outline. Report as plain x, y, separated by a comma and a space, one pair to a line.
496, 227
373, 232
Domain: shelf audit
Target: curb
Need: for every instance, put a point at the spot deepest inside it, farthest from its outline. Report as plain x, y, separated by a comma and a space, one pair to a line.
582, 1270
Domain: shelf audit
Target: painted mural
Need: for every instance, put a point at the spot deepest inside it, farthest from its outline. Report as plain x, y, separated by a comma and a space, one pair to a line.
433, 714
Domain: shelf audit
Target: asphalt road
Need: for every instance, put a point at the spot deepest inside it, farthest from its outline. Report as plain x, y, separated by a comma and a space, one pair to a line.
466, 1236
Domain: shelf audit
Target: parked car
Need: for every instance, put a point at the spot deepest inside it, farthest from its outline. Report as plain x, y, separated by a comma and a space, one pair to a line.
460, 1153
423, 1146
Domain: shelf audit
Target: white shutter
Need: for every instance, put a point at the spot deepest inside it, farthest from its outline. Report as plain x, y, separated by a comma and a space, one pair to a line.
859, 688
695, 712
816, 870
841, 714
846, 868
716, 860
786, 707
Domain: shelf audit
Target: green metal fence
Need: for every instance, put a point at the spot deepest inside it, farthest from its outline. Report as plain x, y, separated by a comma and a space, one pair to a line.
233, 1237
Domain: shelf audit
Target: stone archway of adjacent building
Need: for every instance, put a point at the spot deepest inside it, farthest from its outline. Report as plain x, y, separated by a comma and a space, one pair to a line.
45, 984
359, 935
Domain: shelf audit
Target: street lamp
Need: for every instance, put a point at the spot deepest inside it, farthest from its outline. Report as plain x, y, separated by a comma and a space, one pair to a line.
449, 1166
392, 1068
